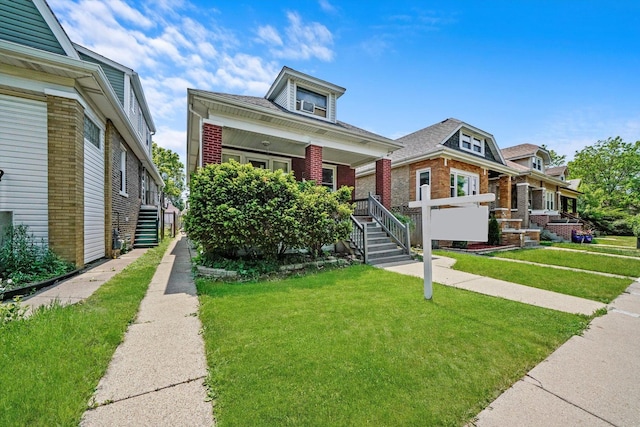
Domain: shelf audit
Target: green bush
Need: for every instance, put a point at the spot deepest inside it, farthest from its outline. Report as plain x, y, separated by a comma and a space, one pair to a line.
494, 231
24, 260
239, 210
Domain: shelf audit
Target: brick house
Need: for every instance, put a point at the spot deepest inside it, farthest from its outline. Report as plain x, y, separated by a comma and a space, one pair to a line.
542, 196
455, 159
75, 138
294, 127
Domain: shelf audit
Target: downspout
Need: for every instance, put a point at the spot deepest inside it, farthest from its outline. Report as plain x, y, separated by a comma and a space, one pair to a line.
191, 110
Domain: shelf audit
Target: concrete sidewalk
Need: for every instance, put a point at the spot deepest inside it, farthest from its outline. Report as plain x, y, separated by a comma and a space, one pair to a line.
83, 285
591, 380
443, 273
156, 376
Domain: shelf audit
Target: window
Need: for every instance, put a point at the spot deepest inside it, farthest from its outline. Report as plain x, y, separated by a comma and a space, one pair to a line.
329, 177
471, 143
463, 184
423, 176
537, 163
550, 200
257, 160
123, 172
91, 132
311, 102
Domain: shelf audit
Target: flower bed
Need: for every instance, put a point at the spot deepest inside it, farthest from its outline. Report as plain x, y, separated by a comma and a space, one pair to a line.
8, 293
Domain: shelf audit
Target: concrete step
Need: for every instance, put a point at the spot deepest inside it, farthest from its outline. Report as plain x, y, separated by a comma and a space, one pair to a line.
384, 253
376, 240
376, 247
403, 258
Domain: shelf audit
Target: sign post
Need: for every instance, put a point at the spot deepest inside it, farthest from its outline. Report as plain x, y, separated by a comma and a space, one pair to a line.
449, 226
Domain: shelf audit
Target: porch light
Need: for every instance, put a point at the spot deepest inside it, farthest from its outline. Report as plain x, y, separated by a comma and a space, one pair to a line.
266, 143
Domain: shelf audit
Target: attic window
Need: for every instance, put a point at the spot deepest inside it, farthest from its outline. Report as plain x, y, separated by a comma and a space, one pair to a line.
311, 102
537, 163
471, 143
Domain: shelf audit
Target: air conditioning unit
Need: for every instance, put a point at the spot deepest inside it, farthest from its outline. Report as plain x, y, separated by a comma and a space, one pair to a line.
307, 106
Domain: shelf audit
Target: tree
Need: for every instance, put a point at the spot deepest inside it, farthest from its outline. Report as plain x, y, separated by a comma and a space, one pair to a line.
556, 159
170, 166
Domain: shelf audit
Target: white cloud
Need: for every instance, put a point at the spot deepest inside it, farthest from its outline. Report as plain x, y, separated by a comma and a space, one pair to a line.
269, 35
131, 15
326, 6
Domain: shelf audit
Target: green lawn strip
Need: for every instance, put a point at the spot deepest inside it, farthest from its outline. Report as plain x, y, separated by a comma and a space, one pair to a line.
580, 260
629, 241
52, 361
361, 346
579, 284
599, 249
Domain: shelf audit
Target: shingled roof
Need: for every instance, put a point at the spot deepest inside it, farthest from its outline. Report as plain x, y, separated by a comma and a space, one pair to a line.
556, 171
519, 151
425, 140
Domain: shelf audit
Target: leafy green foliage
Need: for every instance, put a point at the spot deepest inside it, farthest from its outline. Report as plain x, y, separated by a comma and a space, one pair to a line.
12, 311
556, 159
23, 260
237, 209
610, 173
169, 164
494, 231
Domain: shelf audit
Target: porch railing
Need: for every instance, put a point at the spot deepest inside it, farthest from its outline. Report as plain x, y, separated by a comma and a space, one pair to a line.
394, 228
359, 237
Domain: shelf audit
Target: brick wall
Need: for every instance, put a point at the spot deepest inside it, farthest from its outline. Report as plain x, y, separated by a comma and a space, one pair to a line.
346, 176
365, 185
504, 194
211, 144
65, 127
108, 187
125, 209
313, 163
383, 181
400, 178
440, 176
564, 230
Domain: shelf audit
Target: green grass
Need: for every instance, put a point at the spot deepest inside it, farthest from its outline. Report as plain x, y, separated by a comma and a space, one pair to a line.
583, 261
52, 361
629, 241
579, 284
599, 249
361, 346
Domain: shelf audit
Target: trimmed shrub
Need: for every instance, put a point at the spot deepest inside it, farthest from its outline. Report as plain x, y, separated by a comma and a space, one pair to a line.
494, 232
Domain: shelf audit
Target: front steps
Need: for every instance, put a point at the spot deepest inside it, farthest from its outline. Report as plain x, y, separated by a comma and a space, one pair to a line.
147, 228
381, 248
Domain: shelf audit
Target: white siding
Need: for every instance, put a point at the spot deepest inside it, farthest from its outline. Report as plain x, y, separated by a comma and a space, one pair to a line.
281, 99
93, 201
23, 158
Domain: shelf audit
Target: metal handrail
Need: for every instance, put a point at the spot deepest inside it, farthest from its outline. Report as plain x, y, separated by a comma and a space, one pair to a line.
394, 228
359, 237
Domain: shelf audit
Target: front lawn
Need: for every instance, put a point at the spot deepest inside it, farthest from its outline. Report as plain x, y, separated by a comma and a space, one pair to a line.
629, 241
360, 346
583, 261
579, 284
599, 249
52, 361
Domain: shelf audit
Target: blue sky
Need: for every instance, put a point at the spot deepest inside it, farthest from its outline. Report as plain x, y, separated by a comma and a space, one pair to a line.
562, 73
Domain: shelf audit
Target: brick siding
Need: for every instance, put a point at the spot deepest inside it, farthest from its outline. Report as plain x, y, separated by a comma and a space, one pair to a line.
346, 176
313, 163
383, 181
211, 144
65, 127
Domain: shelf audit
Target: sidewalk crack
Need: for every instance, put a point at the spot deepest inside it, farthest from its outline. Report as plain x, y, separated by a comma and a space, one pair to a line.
107, 402
540, 386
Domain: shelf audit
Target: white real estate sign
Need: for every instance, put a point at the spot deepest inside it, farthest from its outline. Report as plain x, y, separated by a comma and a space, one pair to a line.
456, 223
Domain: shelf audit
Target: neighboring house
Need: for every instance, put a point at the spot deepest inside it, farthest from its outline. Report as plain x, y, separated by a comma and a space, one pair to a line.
455, 159
541, 195
294, 127
75, 137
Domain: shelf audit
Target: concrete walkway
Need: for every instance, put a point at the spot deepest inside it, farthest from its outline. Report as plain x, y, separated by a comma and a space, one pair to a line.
156, 375
555, 248
561, 267
443, 273
82, 286
591, 380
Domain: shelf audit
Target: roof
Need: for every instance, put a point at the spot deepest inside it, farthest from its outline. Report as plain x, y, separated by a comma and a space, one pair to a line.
425, 140
265, 103
287, 73
556, 170
517, 166
520, 151
574, 184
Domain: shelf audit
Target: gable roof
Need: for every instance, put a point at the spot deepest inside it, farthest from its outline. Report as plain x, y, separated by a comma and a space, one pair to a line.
286, 73
556, 170
524, 150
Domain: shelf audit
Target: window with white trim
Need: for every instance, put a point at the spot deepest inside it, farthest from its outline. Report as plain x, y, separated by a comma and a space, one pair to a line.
536, 163
550, 200
463, 183
91, 132
257, 160
471, 143
423, 176
123, 171
329, 174
310, 102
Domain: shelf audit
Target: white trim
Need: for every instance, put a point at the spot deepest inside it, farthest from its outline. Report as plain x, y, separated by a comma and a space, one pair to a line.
472, 143
68, 95
56, 28
334, 169
459, 172
268, 158
522, 183
418, 186
123, 170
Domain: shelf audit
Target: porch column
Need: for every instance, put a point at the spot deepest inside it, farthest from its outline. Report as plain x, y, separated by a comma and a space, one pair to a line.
347, 176
383, 181
537, 200
522, 190
504, 194
313, 163
211, 144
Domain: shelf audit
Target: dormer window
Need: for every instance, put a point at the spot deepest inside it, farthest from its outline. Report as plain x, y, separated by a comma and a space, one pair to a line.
471, 143
537, 163
311, 102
